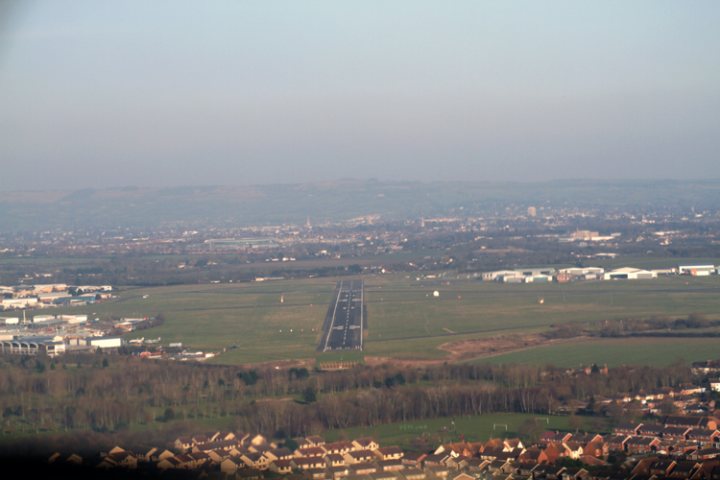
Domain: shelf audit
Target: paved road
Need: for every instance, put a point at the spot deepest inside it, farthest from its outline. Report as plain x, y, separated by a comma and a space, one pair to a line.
344, 323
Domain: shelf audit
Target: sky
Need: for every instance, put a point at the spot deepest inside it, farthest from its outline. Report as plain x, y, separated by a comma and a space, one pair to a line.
163, 93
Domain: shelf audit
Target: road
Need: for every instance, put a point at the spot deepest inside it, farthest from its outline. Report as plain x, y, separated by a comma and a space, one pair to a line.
345, 320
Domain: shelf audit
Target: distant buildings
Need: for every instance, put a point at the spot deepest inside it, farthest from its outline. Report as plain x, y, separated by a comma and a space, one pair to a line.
35, 345
54, 345
579, 273
105, 343
564, 275
520, 276
697, 270
589, 236
52, 335
51, 295
629, 273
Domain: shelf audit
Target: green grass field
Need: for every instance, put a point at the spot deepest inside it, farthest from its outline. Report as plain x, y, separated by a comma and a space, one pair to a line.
472, 428
406, 321
248, 317
616, 352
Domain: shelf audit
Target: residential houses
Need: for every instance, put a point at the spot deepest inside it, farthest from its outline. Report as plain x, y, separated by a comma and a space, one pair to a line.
673, 447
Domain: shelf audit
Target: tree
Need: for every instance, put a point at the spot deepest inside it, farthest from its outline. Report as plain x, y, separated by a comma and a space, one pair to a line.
354, 269
168, 415
309, 395
291, 444
530, 429
39, 366
397, 379
298, 373
667, 407
249, 377
590, 407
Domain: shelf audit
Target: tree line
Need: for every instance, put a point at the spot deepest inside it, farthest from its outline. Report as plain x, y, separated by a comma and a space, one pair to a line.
106, 393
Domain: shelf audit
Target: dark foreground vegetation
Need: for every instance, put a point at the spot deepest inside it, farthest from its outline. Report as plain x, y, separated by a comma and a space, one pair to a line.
37, 467
134, 399
693, 325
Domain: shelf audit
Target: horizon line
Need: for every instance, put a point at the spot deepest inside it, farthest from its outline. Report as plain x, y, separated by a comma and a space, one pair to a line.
372, 180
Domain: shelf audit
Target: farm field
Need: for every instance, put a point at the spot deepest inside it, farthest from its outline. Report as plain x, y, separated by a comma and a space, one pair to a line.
405, 320
615, 352
472, 428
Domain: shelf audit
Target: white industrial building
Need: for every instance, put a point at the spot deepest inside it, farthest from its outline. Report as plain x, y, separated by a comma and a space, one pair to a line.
588, 236
697, 270
497, 275
49, 287
43, 318
93, 288
629, 273
664, 271
537, 278
12, 303
53, 297
50, 346
105, 342
9, 320
528, 275
74, 319
580, 273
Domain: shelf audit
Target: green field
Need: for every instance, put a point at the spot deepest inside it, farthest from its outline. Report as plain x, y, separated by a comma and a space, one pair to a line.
246, 319
406, 321
472, 428
616, 352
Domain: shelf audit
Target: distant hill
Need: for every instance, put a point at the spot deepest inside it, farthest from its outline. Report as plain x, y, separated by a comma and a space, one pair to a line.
340, 200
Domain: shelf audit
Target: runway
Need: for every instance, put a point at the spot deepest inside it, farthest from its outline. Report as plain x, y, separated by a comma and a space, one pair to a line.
345, 319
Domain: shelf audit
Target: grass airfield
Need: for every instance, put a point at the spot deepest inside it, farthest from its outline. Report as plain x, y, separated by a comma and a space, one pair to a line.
282, 320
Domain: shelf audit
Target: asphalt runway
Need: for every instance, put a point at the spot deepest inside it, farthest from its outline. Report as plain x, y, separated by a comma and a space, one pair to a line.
344, 322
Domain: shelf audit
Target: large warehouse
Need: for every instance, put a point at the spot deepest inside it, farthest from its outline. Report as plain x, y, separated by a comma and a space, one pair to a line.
629, 273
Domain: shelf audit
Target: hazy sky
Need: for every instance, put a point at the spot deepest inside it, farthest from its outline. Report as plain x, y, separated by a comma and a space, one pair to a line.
112, 93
